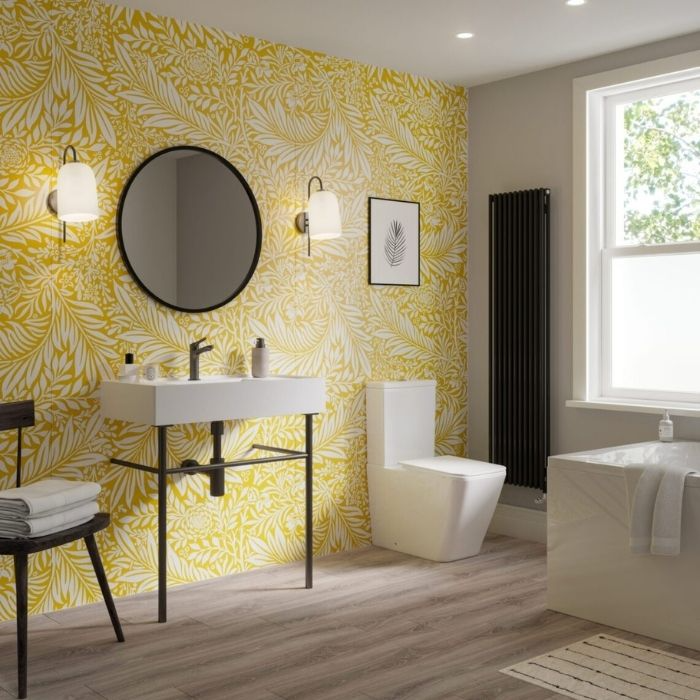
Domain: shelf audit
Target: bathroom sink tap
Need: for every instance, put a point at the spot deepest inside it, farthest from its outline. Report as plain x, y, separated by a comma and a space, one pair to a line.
196, 349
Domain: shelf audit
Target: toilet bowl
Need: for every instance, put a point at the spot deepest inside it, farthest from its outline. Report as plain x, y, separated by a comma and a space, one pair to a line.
432, 507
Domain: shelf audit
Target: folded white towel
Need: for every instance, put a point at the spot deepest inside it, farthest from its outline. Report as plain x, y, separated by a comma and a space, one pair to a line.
642, 481
668, 511
45, 496
36, 527
13, 513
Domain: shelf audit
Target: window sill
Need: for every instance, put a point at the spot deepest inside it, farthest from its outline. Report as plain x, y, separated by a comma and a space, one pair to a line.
675, 408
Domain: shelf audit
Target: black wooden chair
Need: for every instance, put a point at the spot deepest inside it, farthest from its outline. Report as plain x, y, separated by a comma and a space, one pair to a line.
18, 415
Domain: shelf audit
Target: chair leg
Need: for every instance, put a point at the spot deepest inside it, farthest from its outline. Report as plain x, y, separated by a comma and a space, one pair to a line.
104, 585
21, 587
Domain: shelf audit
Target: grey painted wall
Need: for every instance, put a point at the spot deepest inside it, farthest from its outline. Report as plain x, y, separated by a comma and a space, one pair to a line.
150, 227
216, 232
520, 137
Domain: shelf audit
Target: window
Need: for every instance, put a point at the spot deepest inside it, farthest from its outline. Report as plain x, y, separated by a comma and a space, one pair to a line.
638, 316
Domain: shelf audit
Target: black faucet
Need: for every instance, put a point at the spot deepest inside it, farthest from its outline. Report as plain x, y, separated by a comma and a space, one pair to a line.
195, 352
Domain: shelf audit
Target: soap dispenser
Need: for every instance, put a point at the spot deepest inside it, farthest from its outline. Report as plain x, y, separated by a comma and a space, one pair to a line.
261, 359
129, 372
666, 428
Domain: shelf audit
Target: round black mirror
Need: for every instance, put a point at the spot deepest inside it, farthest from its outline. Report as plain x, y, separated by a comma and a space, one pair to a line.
188, 228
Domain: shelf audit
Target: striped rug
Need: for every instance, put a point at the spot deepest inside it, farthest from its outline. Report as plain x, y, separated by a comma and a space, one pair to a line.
609, 668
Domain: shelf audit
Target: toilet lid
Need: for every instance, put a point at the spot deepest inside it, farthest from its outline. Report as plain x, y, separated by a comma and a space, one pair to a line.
455, 466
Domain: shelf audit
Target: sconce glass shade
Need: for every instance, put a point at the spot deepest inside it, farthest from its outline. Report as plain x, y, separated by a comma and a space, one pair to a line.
76, 193
324, 215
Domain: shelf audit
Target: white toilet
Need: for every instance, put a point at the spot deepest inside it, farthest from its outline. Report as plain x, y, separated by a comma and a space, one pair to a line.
436, 508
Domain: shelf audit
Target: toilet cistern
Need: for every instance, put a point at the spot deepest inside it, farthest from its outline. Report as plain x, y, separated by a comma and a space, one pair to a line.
196, 350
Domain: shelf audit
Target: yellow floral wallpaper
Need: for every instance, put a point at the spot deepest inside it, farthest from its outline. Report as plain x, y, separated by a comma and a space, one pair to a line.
119, 85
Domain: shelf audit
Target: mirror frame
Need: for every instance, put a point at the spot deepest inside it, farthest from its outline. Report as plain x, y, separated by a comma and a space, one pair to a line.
256, 212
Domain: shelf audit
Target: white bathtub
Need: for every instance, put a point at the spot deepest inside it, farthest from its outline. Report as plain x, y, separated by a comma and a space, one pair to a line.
590, 570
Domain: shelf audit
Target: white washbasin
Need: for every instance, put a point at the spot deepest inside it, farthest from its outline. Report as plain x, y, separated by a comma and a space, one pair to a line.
224, 378
210, 378
218, 397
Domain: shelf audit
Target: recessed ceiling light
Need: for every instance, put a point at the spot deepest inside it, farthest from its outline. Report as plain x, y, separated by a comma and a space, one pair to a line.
574, 3
465, 35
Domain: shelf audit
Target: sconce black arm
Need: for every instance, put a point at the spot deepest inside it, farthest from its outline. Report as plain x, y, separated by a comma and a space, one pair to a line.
308, 189
65, 154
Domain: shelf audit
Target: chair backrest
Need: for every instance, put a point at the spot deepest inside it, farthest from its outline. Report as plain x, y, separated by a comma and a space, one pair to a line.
17, 415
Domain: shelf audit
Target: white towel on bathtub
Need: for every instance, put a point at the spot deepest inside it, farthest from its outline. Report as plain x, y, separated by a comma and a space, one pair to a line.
668, 511
655, 502
642, 481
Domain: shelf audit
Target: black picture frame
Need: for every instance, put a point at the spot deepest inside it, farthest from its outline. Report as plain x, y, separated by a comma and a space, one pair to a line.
393, 227
256, 213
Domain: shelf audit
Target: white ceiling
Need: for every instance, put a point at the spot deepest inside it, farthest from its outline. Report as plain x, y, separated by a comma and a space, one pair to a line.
418, 36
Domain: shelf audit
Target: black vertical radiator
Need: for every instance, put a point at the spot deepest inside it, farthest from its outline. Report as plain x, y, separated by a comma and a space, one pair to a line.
519, 335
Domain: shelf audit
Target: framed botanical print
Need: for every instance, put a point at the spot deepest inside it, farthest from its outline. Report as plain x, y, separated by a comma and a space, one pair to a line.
394, 242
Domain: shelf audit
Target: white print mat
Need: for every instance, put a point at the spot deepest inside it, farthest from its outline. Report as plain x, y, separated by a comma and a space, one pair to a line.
609, 668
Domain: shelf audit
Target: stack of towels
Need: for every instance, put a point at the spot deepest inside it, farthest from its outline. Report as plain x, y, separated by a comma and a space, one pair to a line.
47, 506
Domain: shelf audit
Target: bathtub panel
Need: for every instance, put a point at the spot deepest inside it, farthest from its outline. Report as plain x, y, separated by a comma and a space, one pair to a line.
593, 575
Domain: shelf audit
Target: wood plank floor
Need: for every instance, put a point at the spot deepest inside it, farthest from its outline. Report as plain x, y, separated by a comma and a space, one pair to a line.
378, 625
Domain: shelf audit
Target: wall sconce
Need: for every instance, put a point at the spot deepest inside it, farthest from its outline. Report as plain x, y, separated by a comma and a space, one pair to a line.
75, 198
321, 220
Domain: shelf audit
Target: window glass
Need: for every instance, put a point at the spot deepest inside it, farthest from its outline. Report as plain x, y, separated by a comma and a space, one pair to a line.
658, 194
654, 325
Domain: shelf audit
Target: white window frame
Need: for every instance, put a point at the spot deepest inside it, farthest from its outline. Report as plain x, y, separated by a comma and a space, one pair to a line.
594, 190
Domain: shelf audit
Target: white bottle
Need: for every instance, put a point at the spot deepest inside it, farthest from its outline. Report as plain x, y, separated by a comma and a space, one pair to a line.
129, 372
261, 359
666, 428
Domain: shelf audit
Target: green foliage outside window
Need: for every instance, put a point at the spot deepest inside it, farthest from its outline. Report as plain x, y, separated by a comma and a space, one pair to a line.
662, 169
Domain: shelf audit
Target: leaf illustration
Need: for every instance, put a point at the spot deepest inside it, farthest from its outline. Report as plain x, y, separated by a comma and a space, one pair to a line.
395, 243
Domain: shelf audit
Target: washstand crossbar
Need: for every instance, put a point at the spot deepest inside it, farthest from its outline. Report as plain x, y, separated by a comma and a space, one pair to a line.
285, 456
